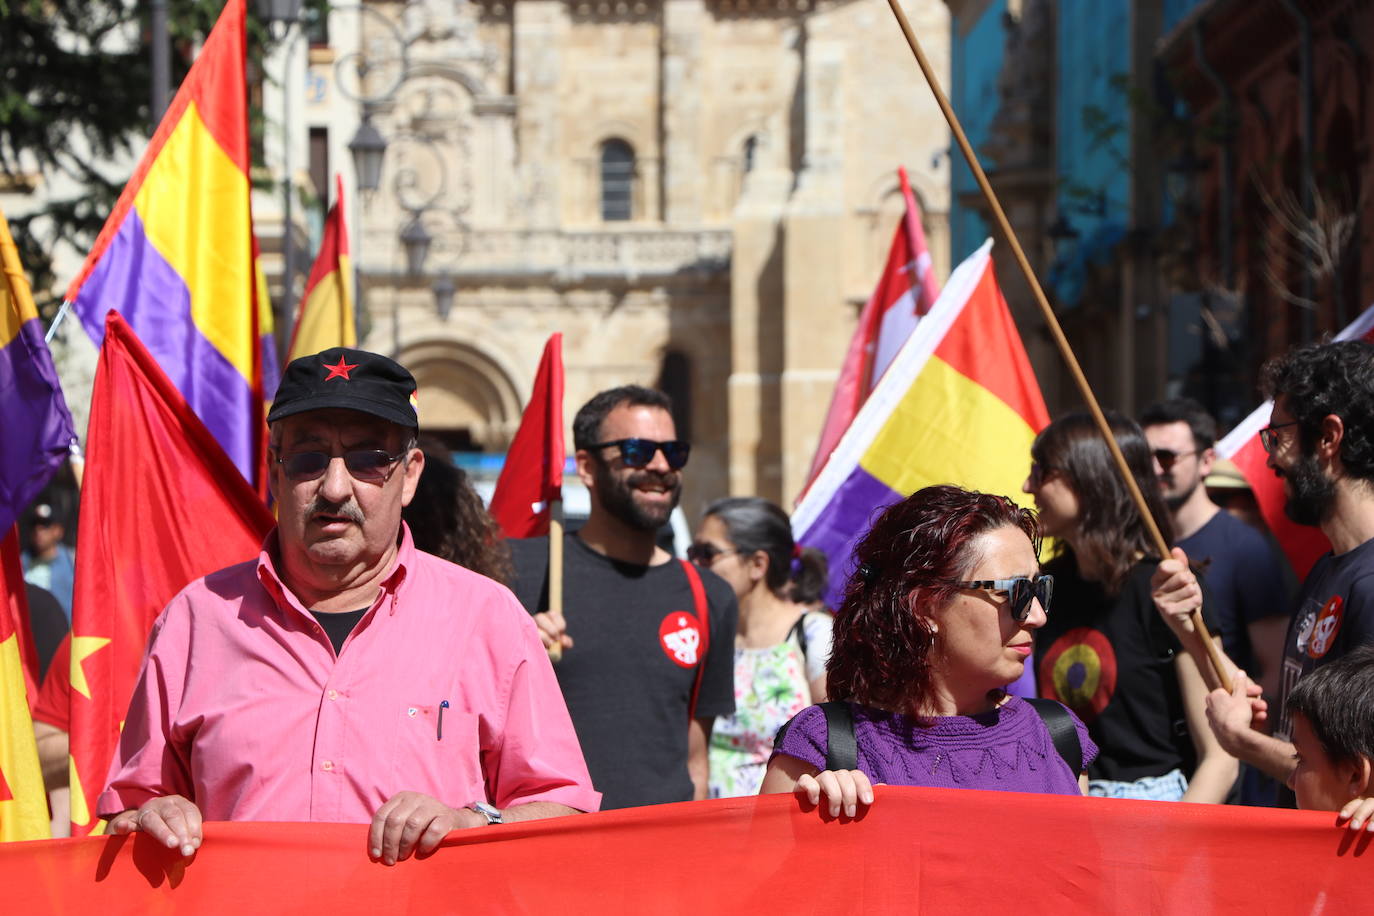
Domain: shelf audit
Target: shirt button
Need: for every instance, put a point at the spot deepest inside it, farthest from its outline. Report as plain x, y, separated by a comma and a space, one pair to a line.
327, 765
332, 694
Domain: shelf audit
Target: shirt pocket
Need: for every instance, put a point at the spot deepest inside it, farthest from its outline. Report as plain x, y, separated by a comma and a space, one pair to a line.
437, 753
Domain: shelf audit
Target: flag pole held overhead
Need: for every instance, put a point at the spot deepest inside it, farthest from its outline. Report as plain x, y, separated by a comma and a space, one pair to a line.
1207, 646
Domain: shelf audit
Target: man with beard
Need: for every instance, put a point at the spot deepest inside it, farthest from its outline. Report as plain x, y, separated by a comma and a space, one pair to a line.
1242, 570
648, 641
1320, 441
343, 675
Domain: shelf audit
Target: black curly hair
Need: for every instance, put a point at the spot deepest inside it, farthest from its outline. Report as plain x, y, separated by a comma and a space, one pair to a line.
1318, 380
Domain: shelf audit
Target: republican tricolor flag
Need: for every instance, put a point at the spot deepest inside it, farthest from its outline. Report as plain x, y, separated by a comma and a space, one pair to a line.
175, 257
906, 291
958, 405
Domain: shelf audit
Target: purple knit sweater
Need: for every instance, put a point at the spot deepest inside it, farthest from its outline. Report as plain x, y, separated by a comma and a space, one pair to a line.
1008, 749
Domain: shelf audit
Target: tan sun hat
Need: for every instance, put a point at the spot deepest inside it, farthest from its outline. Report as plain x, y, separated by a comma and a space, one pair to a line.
1226, 476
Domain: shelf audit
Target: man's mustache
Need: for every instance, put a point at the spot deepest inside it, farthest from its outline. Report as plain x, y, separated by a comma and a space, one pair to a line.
348, 510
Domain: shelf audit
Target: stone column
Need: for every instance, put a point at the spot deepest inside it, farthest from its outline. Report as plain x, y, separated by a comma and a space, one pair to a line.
813, 319
680, 110
540, 29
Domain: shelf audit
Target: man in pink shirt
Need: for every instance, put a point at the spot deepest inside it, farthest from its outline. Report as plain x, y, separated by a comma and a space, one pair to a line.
344, 675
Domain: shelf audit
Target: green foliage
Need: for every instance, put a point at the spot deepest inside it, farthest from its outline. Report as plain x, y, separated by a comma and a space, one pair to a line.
75, 90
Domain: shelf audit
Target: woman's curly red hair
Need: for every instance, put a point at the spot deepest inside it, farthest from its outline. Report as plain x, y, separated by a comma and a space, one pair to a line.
881, 655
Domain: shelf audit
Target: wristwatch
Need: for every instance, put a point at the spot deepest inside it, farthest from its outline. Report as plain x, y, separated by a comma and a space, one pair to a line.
490, 812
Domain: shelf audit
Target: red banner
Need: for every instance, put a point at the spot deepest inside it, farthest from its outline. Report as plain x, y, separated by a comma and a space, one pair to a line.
916, 850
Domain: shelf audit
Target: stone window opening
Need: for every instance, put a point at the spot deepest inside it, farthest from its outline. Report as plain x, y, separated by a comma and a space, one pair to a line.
617, 180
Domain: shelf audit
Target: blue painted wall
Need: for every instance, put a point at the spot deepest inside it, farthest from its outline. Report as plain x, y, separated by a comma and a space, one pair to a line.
976, 61
1092, 123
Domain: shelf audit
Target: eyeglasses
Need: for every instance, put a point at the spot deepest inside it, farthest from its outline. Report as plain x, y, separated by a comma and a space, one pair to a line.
1020, 590
637, 453
1167, 457
1039, 472
371, 465
704, 553
1269, 437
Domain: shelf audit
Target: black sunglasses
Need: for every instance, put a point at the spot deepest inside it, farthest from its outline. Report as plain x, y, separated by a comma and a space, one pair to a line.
1269, 435
1167, 458
704, 553
637, 453
1021, 590
372, 465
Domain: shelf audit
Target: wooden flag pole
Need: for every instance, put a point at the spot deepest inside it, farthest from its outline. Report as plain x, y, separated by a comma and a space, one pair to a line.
556, 570
1207, 651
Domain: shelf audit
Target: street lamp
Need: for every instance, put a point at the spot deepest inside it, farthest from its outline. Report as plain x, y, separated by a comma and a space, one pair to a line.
416, 240
368, 147
444, 288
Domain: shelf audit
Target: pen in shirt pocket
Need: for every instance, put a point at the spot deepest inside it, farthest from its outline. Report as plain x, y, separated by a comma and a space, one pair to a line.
439, 730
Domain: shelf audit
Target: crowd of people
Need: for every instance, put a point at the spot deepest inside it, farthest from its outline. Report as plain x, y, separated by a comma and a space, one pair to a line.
386, 659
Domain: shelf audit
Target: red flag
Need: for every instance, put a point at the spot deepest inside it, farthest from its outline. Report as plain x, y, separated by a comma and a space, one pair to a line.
14, 604
162, 505
1302, 544
532, 476
905, 292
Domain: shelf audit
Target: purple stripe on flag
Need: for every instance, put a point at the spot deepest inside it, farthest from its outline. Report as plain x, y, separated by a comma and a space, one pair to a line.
33, 414
137, 281
843, 522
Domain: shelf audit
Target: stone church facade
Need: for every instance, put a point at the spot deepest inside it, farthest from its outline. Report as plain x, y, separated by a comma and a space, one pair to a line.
698, 194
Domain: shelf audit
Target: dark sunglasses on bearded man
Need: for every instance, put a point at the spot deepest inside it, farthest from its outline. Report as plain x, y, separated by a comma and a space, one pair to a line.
637, 453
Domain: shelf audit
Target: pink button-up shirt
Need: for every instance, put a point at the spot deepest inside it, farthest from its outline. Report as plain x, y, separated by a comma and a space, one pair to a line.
243, 706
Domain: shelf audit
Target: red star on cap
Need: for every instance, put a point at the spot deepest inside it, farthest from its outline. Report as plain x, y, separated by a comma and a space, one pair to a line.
340, 370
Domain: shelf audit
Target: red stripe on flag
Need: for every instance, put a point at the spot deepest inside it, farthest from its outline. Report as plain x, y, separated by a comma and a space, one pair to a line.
984, 346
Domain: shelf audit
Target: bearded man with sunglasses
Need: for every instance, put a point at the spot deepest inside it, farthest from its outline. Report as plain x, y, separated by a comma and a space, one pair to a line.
343, 675
648, 640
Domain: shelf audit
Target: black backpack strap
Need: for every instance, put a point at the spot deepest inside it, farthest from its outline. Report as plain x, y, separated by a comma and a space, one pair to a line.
799, 632
1062, 731
841, 750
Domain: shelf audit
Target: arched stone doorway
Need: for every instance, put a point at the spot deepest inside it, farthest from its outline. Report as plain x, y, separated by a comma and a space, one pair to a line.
466, 398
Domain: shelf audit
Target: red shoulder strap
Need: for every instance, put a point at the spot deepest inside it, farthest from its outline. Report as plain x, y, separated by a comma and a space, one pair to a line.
704, 622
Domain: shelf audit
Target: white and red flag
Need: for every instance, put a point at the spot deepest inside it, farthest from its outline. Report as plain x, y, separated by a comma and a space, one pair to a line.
1302, 544
906, 291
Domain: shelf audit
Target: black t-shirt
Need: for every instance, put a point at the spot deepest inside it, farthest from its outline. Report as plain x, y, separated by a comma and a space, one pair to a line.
1111, 660
48, 624
628, 679
337, 626
1334, 614
1245, 578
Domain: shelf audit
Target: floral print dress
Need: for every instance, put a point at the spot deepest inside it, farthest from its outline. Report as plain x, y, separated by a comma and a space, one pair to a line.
771, 686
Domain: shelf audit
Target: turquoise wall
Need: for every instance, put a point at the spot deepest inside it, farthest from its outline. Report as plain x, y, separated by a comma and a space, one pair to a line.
975, 61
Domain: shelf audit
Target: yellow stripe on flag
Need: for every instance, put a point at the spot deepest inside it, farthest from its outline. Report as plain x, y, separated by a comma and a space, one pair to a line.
16, 302
205, 236
949, 429
23, 801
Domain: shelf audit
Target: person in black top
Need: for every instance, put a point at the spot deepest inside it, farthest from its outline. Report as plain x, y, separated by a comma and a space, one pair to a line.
1106, 653
646, 665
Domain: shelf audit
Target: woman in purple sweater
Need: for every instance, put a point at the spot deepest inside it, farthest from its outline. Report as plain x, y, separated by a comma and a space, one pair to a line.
935, 623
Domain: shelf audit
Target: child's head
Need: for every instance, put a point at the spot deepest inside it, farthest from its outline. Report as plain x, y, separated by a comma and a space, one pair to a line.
1333, 732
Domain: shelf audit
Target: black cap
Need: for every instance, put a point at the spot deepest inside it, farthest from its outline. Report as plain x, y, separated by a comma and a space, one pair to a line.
349, 379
